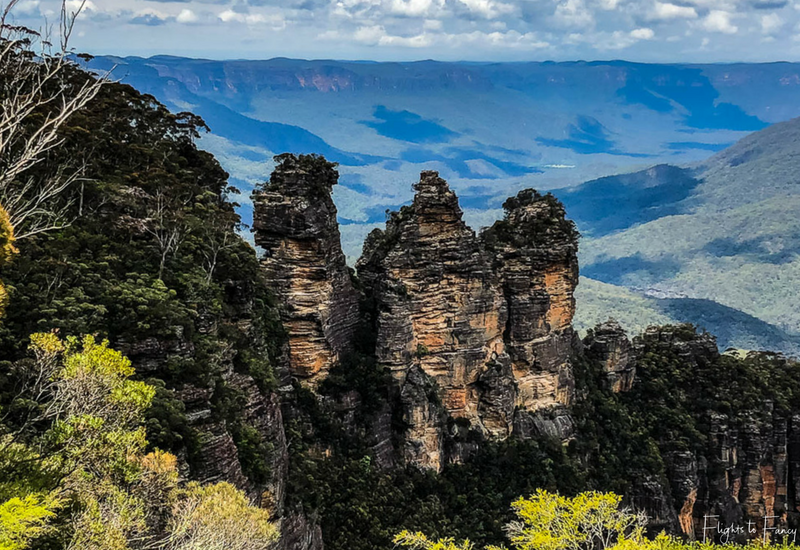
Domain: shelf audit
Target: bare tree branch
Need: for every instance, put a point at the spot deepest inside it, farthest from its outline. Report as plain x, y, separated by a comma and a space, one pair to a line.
35, 104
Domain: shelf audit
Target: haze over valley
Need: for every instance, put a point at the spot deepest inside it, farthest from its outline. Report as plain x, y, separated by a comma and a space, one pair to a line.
698, 228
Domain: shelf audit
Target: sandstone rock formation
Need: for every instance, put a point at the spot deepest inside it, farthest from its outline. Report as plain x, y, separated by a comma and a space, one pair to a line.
534, 251
608, 344
745, 468
475, 330
295, 223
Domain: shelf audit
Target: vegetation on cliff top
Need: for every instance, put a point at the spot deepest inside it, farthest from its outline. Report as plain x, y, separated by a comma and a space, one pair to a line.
151, 260
532, 219
76, 474
590, 521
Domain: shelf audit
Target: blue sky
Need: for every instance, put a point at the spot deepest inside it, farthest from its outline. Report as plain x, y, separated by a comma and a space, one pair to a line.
480, 30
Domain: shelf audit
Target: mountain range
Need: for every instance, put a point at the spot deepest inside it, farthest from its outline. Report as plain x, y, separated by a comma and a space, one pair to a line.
677, 236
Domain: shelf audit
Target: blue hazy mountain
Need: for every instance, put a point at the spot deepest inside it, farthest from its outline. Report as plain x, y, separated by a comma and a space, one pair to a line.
641, 154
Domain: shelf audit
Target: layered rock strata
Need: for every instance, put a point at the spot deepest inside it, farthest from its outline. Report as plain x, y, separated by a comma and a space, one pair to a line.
476, 331
745, 470
608, 344
295, 223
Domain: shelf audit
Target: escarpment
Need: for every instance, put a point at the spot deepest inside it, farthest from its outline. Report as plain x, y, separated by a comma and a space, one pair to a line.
471, 340
727, 429
295, 223
608, 344
476, 330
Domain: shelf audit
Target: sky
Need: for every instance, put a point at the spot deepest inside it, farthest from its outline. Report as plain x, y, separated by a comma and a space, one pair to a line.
452, 30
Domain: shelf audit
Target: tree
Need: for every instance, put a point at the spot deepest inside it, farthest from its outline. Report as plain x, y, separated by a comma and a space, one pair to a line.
37, 98
218, 517
549, 521
165, 225
105, 491
7, 250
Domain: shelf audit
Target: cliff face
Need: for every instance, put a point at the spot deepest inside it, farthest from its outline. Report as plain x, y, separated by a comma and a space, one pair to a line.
609, 345
295, 223
535, 255
473, 329
743, 467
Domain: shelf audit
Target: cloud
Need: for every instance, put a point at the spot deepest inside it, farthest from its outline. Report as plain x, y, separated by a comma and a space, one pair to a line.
186, 16
412, 8
719, 21
377, 35
451, 29
666, 11
488, 9
432, 25
573, 13
74, 5
771, 23
150, 18
28, 8
642, 34
275, 21
769, 4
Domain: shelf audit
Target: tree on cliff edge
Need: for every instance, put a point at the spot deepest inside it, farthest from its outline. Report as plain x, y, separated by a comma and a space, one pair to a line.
38, 95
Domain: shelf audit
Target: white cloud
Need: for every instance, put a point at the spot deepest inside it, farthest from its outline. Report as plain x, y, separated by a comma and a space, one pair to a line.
432, 25
573, 13
75, 5
719, 21
610, 41
509, 39
665, 10
376, 35
771, 23
452, 29
186, 16
642, 34
27, 8
369, 35
412, 8
488, 8
274, 21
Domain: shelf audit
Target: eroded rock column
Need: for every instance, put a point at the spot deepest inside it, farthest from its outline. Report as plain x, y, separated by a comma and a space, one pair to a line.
439, 314
295, 223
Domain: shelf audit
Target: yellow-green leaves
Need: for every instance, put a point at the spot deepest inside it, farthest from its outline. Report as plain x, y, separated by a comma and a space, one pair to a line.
218, 517
119, 496
92, 379
6, 251
24, 519
550, 521
418, 541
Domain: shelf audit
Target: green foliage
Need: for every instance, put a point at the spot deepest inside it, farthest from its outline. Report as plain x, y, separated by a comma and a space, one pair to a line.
360, 373
184, 309
547, 225
675, 397
254, 453
314, 171
588, 521
108, 494
361, 505
612, 444
25, 519
219, 517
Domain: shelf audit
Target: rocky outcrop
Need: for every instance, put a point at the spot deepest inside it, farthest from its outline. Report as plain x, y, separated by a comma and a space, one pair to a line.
474, 329
743, 468
608, 344
534, 251
295, 223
